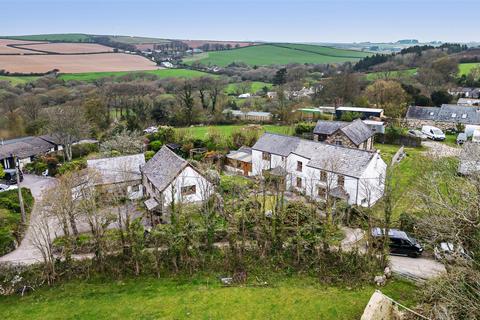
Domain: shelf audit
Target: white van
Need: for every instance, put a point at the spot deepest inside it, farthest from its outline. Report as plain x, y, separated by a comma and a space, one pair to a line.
433, 133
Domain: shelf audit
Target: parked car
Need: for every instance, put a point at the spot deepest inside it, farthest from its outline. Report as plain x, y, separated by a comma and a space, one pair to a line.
461, 138
10, 176
6, 187
449, 252
417, 134
151, 130
433, 133
400, 242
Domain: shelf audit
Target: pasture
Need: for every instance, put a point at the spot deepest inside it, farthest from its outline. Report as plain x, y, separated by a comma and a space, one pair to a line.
160, 73
227, 130
293, 297
75, 63
256, 86
269, 54
465, 68
60, 37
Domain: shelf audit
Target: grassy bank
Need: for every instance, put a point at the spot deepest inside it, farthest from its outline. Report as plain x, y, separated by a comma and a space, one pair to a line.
197, 298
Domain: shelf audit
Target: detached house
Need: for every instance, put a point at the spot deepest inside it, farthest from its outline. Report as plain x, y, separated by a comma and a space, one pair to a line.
318, 169
168, 178
355, 134
445, 117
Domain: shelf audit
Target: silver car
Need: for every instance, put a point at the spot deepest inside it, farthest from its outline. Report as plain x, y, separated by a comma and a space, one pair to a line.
417, 134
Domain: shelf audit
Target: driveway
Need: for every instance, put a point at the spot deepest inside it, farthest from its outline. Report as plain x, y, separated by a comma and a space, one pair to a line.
26, 253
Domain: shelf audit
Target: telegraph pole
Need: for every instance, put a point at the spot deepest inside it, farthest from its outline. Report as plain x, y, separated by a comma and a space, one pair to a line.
20, 197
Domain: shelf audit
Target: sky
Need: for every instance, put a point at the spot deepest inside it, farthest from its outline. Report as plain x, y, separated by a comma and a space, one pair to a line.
266, 20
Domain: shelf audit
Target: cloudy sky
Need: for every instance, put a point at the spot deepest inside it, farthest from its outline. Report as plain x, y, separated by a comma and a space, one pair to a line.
270, 20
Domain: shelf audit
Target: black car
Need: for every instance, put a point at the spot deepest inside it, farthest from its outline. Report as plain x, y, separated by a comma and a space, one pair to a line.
10, 176
400, 242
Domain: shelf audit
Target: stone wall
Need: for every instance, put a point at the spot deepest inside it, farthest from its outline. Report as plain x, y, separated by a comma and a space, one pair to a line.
414, 123
340, 136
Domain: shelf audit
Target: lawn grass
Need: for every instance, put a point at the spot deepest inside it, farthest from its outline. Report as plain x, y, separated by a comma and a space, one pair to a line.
271, 54
161, 73
256, 86
226, 130
198, 298
65, 37
465, 68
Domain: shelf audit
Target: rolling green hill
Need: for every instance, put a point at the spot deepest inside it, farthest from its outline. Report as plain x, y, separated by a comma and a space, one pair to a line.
269, 54
60, 37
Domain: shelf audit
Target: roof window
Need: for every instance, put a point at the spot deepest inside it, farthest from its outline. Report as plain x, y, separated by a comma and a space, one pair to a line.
431, 113
454, 115
464, 116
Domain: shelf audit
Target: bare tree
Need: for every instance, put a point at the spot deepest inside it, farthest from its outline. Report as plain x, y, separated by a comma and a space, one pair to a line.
43, 237
67, 125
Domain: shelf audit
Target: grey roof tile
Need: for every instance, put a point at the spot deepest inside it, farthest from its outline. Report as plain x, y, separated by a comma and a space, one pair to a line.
356, 131
164, 167
118, 169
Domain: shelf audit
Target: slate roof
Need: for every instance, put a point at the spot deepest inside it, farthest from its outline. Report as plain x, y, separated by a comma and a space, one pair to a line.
339, 159
164, 167
25, 147
422, 113
118, 169
446, 113
356, 131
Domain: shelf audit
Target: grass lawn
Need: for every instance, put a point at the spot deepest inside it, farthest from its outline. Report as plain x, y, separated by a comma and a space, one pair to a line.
406, 174
256, 86
465, 68
161, 73
199, 298
226, 130
271, 54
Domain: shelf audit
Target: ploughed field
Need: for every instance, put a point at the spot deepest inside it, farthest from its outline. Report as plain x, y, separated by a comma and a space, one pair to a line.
66, 47
75, 63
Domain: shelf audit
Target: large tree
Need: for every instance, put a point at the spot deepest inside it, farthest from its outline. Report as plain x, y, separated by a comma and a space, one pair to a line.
388, 95
67, 125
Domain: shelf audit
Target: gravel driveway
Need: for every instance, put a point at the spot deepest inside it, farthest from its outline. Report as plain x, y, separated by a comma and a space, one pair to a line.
26, 253
440, 150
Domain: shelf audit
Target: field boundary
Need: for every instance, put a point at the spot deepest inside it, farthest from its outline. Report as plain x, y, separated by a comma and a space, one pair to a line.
285, 46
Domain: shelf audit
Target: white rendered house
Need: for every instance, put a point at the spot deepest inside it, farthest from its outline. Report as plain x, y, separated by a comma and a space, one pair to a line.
318, 169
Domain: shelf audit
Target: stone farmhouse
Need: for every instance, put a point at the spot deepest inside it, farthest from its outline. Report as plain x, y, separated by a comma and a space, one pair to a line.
355, 134
445, 117
318, 169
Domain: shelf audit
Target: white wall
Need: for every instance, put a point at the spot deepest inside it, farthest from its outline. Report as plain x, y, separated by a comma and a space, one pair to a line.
372, 182
258, 164
187, 177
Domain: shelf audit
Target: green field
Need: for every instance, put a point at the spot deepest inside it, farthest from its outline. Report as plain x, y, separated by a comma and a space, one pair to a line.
201, 132
162, 73
66, 37
137, 40
271, 54
465, 68
256, 86
197, 298
327, 51
14, 80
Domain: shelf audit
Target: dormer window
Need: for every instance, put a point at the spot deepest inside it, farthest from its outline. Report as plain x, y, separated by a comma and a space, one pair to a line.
454, 115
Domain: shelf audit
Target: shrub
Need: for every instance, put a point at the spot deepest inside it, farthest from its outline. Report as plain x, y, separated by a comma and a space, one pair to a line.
155, 145
149, 155
84, 149
72, 166
304, 127
350, 116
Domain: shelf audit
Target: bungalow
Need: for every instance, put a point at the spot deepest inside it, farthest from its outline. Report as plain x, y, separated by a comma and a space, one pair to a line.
355, 134
25, 149
445, 117
240, 161
318, 169
168, 178
119, 175
465, 92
